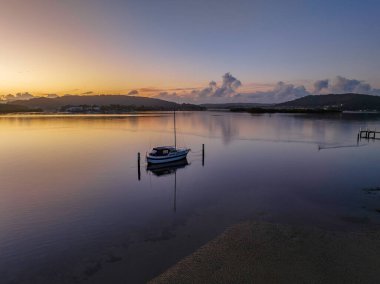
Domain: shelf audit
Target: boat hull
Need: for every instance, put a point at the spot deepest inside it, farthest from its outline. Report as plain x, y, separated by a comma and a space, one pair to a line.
167, 159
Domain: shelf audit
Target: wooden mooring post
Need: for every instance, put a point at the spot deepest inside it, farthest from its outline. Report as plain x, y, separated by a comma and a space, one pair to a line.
138, 166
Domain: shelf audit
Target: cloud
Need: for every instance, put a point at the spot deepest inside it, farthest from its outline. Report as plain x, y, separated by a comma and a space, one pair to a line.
226, 91
18, 96
167, 95
9, 97
285, 92
343, 85
25, 96
320, 85
228, 88
3, 97
205, 92
375, 92
281, 92
133, 93
175, 97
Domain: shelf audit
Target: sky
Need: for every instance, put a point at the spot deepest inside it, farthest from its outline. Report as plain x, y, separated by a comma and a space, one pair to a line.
189, 51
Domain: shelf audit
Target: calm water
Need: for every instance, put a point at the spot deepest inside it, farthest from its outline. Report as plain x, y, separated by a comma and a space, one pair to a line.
73, 210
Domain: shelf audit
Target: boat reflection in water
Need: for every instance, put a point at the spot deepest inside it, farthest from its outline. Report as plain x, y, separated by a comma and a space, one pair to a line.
168, 169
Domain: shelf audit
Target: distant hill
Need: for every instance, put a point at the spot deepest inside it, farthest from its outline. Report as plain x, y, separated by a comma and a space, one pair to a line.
119, 101
234, 105
348, 102
12, 108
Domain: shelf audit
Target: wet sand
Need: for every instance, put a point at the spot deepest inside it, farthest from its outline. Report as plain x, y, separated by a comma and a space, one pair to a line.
273, 253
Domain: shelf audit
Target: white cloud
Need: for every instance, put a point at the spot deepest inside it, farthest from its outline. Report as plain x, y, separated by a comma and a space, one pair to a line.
228, 88
213, 92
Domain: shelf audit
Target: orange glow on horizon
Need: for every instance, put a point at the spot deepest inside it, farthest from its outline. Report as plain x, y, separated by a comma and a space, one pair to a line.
55, 49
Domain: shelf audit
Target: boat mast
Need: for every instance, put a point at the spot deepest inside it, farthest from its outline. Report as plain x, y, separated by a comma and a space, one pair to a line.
175, 134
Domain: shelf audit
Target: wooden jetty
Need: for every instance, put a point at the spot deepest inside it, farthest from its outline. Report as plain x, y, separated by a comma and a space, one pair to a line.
368, 134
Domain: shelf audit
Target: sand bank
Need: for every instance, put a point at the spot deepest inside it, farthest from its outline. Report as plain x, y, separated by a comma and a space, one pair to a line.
272, 253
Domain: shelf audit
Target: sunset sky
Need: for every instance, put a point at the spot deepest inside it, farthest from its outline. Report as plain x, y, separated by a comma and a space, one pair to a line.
173, 49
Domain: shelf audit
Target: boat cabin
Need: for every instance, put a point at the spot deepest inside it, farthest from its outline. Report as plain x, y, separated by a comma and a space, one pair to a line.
162, 151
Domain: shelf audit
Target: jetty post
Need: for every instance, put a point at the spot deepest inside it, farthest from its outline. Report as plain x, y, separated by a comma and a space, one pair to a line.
368, 134
138, 166
203, 155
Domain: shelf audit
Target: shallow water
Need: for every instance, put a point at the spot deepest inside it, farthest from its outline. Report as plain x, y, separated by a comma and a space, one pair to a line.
72, 208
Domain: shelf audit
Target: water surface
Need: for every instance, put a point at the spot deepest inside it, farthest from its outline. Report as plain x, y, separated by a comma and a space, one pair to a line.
72, 208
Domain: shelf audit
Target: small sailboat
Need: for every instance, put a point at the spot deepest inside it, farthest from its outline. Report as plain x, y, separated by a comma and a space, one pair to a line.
167, 154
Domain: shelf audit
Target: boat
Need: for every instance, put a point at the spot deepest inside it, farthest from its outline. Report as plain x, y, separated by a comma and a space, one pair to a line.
167, 154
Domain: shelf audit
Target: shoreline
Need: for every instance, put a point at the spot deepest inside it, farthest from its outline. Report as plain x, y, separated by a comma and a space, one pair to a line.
275, 253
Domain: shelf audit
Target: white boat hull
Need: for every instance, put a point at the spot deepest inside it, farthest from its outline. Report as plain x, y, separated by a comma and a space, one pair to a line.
179, 155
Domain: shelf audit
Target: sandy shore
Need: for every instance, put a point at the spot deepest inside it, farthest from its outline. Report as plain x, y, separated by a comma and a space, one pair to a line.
272, 253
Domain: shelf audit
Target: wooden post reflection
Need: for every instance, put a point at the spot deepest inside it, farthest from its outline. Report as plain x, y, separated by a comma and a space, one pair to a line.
203, 155
138, 166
